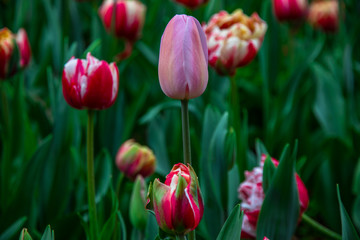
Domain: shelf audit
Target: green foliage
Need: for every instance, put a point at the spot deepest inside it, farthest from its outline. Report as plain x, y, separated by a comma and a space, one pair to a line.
231, 229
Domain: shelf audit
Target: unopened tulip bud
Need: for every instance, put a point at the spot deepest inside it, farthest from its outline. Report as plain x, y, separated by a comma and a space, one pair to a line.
233, 40
15, 52
177, 203
192, 4
134, 159
183, 60
324, 15
129, 18
90, 83
290, 10
252, 195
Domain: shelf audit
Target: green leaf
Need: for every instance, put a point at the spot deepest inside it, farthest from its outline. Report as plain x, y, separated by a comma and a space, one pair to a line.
280, 210
24, 235
232, 227
268, 173
138, 213
122, 224
48, 234
348, 230
13, 229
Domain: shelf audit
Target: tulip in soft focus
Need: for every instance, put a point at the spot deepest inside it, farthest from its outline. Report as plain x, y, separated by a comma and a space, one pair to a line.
233, 40
265, 238
90, 83
129, 18
15, 52
252, 196
183, 60
289, 10
177, 203
324, 15
134, 159
192, 3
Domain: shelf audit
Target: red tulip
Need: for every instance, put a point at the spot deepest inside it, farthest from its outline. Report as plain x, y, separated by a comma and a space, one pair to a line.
90, 83
133, 159
233, 40
286, 10
11, 60
177, 204
129, 18
192, 3
324, 15
252, 195
183, 60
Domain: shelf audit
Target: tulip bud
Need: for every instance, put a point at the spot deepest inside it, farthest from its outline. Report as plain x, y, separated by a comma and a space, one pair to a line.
252, 196
233, 40
129, 18
324, 15
15, 52
287, 10
177, 204
183, 60
90, 83
192, 3
133, 159
265, 238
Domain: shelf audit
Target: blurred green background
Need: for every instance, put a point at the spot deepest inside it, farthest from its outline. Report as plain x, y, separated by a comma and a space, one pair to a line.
304, 84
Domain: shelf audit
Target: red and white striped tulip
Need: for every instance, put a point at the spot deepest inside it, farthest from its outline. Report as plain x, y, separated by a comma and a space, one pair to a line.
178, 203
252, 195
192, 4
90, 83
233, 40
129, 18
134, 159
290, 10
19, 58
183, 60
324, 15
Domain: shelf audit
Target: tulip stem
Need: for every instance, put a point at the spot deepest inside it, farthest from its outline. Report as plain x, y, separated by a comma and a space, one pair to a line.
320, 227
185, 131
180, 237
118, 184
91, 176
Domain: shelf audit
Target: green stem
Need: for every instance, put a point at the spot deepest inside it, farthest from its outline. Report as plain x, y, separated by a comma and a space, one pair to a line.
180, 237
91, 176
320, 227
236, 123
118, 184
185, 131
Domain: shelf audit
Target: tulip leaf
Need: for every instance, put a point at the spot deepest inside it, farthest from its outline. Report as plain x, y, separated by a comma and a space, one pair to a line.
280, 209
13, 229
48, 234
348, 230
260, 149
138, 213
232, 227
24, 235
268, 173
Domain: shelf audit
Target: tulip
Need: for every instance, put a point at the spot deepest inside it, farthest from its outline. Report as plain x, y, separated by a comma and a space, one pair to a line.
233, 40
177, 203
324, 15
133, 159
252, 195
90, 83
192, 4
265, 238
287, 10
129, 18
15, 52
183, 60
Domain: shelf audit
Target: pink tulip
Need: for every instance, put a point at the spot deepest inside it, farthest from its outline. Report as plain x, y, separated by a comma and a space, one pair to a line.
90, 83
133, 159
287, 10
324, 15
129, 18
252, 196
183, 60
8, 54
177, 204
233, 40
192, 3
265, 238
